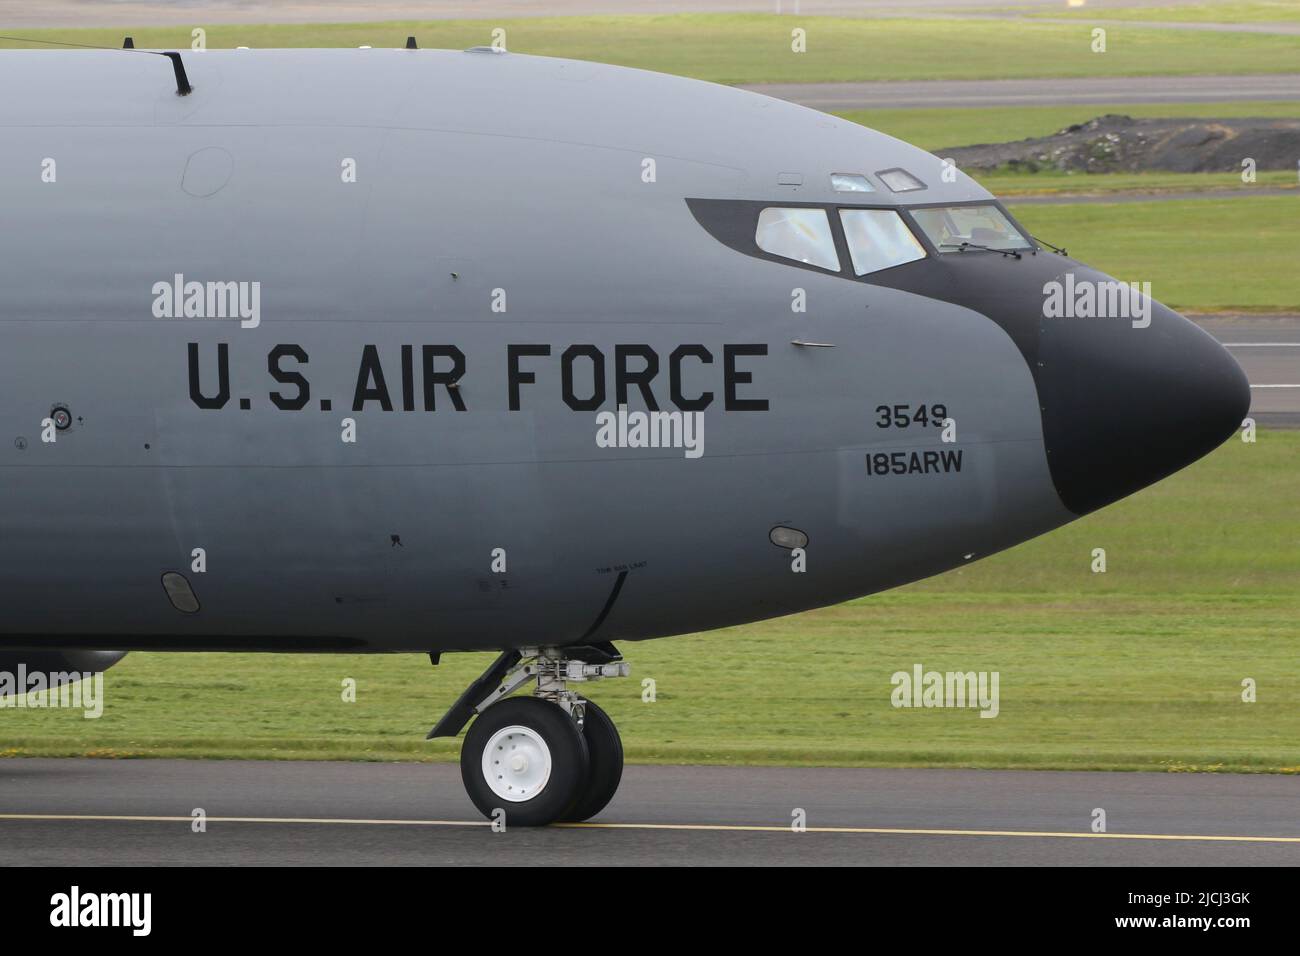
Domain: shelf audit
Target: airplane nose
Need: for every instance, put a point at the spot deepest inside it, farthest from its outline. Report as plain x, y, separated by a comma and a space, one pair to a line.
1124, 404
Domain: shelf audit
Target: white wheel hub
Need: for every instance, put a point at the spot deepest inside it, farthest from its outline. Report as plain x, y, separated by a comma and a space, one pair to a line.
517, 763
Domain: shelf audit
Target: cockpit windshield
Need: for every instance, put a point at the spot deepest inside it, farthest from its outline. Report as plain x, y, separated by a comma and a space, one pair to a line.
970, 228
878, 239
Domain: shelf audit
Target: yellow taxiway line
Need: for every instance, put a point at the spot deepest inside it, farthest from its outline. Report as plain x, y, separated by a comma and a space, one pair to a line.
706, 827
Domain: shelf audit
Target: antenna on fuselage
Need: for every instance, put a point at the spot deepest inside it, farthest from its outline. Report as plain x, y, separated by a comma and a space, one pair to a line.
183, 87
411, 44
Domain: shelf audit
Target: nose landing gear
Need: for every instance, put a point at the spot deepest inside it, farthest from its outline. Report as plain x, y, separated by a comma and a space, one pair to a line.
549, 757
526, 757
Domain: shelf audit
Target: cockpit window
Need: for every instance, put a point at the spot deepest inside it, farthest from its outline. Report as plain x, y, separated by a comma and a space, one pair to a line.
878, 239
899, 180
966, 228
851, 183
800, 234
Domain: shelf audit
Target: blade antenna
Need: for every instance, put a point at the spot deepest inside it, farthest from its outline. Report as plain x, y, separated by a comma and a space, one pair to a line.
183, 87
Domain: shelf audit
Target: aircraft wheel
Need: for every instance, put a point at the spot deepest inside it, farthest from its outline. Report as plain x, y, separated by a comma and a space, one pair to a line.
605, 749
527, 757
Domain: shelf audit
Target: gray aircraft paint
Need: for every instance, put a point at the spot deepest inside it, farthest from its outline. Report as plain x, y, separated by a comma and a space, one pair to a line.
476, 171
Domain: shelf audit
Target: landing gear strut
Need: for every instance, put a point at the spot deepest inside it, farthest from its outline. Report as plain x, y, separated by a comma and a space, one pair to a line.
554, 756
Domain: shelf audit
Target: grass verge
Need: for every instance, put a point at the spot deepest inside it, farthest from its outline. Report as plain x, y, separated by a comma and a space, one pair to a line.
1209, 255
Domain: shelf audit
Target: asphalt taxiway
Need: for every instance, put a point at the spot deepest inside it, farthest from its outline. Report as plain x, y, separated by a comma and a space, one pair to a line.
1267, 347
160, 12
83, 812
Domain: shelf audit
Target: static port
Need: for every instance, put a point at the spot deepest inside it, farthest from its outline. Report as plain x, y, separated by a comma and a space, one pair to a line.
179, 592
788, 538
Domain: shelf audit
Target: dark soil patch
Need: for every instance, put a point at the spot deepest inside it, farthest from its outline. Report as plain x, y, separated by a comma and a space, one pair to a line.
1121, 144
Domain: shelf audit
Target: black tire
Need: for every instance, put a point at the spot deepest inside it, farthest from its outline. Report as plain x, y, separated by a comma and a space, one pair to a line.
564, 741
605, 753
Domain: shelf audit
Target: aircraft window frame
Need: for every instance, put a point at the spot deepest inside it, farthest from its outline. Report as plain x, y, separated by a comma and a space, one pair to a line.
831, 252
733, 222
845, 183
904, 221
1033, 248
920, 185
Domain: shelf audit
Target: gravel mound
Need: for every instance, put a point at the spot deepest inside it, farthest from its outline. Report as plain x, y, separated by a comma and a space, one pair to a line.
1115, 144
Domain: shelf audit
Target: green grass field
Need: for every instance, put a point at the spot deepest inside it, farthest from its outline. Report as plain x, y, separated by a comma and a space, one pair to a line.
1137, 668
754, 48
1053, 183
1206, 255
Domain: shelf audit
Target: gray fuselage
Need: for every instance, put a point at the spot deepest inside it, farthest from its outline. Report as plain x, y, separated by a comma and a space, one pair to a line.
498, 209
